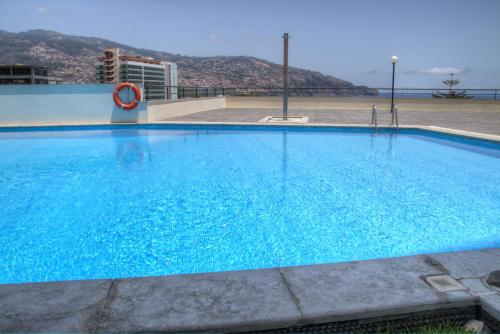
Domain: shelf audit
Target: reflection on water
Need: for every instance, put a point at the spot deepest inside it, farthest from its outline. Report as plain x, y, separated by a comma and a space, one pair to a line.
130, 155
132, 148
284, 155
391, 138
284, 163
391, 147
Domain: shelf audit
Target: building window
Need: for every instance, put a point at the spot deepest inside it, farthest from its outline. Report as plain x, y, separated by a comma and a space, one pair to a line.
21, 71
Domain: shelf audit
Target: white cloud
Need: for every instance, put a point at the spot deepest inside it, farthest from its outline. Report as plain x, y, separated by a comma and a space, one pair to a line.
213, 37
41, 9
440, 70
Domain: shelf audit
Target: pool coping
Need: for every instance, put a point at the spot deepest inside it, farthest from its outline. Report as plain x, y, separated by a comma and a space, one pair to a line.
432, 128
252, 299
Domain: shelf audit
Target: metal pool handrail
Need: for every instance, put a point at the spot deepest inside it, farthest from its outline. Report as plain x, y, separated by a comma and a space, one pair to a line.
374, 116
395, 117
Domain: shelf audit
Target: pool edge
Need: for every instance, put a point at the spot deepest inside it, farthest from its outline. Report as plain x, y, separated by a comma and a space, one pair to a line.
252, 299
430, 128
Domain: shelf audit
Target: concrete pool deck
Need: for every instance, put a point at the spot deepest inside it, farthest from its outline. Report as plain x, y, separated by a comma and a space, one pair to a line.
252, 299
471, 121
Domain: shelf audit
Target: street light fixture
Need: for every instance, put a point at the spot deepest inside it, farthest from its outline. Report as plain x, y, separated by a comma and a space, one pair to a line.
394, 60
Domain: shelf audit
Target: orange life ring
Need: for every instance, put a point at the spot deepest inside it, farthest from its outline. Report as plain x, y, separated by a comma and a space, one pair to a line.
118, 101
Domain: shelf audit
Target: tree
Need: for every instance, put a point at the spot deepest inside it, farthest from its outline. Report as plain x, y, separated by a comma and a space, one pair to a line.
452, 94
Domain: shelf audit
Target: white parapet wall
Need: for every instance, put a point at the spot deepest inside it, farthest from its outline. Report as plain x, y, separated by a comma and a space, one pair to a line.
166, 110
93, 104
64, 104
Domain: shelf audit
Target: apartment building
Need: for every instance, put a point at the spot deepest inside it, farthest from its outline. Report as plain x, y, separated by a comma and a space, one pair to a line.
155, 76
26, 74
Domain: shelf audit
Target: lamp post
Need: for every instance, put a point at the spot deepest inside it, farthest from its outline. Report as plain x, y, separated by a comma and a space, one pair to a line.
394, 60
285, 76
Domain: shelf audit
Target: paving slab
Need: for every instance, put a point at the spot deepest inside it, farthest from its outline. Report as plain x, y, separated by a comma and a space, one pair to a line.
240, 300
477, 286
470, 264
345, 291
50, 307
491, 304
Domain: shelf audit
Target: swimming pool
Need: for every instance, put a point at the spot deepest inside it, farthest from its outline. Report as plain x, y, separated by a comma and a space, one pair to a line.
123, 201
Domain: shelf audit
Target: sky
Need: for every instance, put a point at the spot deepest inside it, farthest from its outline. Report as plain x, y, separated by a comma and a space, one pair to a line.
350, 39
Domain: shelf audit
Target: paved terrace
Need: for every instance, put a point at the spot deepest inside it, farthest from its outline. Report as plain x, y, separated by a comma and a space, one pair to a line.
480, 116
483, 122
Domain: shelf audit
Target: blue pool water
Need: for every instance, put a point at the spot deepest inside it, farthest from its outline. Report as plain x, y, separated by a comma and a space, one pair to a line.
138, 201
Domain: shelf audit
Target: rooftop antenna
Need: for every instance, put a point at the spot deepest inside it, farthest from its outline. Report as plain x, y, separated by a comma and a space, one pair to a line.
285, 76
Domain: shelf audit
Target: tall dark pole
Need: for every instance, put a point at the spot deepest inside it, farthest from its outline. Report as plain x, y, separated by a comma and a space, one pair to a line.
394, 59
392, 90
285, 76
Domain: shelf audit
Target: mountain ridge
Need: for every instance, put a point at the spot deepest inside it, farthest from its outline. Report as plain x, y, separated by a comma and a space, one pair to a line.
73, 57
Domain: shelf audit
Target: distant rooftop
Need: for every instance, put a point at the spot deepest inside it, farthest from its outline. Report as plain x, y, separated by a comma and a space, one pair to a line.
26, 74
109, 53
